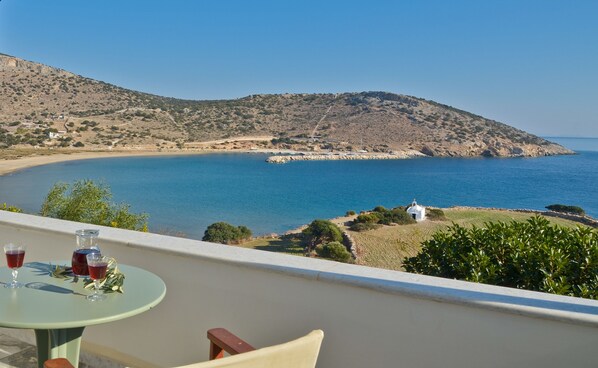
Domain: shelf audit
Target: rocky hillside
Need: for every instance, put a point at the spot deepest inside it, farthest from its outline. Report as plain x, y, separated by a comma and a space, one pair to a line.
42, 106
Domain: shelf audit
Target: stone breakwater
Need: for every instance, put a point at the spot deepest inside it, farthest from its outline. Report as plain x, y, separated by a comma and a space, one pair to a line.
283, 159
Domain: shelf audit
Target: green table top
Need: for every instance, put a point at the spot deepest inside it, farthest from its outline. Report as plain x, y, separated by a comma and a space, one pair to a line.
46, 302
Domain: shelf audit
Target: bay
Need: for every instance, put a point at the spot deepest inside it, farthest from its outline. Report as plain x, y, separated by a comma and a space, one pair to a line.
184, 194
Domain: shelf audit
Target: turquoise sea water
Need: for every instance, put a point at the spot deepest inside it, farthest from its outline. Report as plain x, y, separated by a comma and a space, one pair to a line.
187, 193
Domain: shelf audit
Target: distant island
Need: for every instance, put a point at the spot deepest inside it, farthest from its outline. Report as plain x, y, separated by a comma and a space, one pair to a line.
46, 110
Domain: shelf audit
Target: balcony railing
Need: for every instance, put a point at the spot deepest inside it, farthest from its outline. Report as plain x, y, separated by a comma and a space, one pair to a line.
371, 317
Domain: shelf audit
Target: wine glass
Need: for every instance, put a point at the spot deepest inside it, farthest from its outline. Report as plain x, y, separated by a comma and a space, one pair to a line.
15, 254
98, 266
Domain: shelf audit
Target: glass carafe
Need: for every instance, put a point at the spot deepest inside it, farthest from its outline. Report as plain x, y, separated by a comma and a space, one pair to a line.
87, 242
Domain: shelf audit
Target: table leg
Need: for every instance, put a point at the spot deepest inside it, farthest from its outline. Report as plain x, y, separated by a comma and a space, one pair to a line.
58, 343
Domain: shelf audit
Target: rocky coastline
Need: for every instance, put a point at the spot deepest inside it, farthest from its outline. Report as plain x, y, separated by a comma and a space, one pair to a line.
283, 159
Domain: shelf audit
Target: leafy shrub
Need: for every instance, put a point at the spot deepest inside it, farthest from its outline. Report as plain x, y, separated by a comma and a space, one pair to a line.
245, 232
368, 218
380, 209
533, 255
435, 214
88, 202
381, 215
225, 233
350, 213
321, 231
566, 209
335, 251
364, 226
397, 216
9, 208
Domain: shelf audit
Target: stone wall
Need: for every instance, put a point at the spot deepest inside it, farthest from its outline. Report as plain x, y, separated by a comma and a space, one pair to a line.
585, 220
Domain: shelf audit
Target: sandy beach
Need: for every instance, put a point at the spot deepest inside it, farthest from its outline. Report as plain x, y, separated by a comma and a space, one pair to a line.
9, 166
12, 165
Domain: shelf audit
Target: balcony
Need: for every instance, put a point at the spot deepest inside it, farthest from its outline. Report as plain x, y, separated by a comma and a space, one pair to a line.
371, 317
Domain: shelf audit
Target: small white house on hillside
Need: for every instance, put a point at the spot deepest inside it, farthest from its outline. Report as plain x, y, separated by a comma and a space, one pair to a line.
416, 211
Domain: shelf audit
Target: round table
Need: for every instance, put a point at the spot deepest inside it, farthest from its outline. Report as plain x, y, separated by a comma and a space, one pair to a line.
58, 311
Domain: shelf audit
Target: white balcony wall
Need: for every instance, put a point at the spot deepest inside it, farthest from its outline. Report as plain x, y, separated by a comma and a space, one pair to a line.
371, 317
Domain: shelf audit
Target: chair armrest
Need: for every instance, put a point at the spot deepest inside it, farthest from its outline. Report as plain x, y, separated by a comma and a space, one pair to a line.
222, 340
58, 363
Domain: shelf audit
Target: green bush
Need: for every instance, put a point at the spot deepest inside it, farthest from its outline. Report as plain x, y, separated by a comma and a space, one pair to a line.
9, 208
435, 214
319, 232
350, 213
335, 251
381, 215
225, 233
364, 226
88, 202
244, 232
566, 209
380, 209
533, 255
396, 216
368, 218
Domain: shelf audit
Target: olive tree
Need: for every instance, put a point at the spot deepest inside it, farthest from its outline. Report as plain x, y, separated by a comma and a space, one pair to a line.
225, 233
91, 203
321, 231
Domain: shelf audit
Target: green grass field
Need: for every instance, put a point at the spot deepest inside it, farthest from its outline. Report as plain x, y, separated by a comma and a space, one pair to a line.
288, 245
387, 246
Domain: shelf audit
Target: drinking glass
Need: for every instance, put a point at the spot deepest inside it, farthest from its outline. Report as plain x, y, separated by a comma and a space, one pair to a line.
15, 254
98, 266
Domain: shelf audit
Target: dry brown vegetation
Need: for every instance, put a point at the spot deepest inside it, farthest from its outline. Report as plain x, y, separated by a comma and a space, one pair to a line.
387, 246
36, 100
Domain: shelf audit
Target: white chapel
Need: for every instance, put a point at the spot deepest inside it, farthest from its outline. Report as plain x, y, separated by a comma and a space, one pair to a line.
416, 211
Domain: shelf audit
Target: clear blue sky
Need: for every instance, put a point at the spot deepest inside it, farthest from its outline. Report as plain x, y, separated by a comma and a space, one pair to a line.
532, 64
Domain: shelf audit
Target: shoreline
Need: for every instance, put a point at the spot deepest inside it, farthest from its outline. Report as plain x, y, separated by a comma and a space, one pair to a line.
277, 156
10, 166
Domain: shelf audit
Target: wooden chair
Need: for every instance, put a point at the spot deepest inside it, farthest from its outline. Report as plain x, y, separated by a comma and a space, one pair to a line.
299, 353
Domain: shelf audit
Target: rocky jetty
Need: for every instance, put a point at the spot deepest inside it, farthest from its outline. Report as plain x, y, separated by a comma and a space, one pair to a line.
283, 159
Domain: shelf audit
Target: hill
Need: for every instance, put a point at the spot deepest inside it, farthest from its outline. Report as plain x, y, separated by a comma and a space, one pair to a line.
42, 106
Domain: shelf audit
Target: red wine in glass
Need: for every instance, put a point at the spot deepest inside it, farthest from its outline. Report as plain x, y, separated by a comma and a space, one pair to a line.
15, 254
97, 271
79, 262
97, 265
15, 258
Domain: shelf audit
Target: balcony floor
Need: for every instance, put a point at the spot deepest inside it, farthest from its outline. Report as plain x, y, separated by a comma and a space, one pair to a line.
18, 354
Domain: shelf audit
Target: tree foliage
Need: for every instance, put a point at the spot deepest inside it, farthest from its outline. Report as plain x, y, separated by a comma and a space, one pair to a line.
368, 218
335, 251
91, 203
381, 215
566, 209
225, 233
533, 255
9, 208
319, 232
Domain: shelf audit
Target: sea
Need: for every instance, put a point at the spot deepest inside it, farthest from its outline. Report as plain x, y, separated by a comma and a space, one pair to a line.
184, 194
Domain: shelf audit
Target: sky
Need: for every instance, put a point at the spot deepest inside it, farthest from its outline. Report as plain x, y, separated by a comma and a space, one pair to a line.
532, 64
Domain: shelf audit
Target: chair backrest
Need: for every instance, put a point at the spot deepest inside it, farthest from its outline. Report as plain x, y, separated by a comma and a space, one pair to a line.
300, 353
